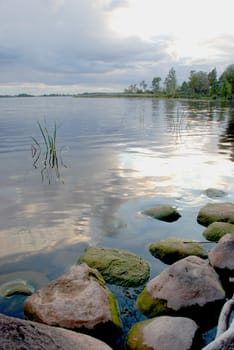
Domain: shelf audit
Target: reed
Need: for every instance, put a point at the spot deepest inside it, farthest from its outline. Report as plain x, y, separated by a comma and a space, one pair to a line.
50, 156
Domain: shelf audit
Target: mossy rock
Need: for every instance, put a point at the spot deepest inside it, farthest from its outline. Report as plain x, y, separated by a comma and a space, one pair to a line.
172, 249
117, 266
217, 230
212, 212
163, 212
214, 192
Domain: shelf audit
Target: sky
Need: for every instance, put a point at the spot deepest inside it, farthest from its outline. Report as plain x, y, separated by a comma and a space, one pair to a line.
76, 46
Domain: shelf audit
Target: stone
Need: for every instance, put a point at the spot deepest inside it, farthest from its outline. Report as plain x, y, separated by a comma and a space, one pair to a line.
215, 192
117, 266
216, 212
172, 249
16, 334
221, 257
78, 300
164, 333
217, 230
21, 282
163, 212
189, 288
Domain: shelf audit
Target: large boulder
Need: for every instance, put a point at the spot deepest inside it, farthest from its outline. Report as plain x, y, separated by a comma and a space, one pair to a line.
217, 230
221, 257
166, 213
164, 333
16, 334
172, 249
189, 288
216, 212
77, 300
117, 266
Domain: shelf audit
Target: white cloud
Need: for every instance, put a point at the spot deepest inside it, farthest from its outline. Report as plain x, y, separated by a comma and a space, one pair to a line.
110, 43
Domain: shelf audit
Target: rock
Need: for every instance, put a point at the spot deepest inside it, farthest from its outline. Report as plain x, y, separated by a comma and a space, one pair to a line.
16, 287
216, 212
216, 230
221, 257
189, 288
16, 334
214, 192
172, 249
77, 300
163, 212
117, 266
164, 333
21, 282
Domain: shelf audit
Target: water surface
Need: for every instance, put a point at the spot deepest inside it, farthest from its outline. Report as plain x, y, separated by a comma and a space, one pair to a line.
120, 156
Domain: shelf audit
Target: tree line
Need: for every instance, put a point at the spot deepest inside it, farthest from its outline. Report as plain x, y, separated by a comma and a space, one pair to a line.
199, 84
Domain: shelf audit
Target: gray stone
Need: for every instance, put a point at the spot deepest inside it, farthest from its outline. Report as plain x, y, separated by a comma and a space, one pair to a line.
189, 288
172, 249
221, 257
217, 230
77, 300
163, 212
164, 333
16, 334
215, 192
117, 266
216, 212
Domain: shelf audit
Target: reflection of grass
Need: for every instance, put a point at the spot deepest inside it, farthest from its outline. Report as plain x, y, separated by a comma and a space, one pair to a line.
50, 157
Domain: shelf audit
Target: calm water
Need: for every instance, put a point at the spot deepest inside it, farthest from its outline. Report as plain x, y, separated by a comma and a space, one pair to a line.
117, 156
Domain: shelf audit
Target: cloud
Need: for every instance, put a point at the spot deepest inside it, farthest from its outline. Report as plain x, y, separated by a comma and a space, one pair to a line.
58, 42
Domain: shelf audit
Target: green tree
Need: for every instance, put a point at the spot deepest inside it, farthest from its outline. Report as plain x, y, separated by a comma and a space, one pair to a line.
225, 87
170, 83
143, 85
213, 82
199, 83
229, 76
156, 84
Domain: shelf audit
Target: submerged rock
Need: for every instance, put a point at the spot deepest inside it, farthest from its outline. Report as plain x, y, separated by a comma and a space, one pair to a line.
164, 333
217, 230
172, 249
77, 300
117, 266
22, 282
163, 212
216, 212
214, 192
189, 288
16, 334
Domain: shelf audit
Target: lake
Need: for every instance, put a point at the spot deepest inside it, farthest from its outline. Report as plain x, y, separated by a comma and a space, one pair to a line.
116, 157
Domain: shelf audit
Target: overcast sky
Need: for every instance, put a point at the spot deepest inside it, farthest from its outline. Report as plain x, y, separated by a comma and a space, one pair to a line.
70, 46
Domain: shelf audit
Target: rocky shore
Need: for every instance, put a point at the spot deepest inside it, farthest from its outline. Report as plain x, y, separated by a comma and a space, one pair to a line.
78, 310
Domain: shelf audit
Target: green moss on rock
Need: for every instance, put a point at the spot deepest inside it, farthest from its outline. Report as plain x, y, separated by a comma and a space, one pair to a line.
212, 212
163, 212
172, 249
217, 230
117, 266
151, 307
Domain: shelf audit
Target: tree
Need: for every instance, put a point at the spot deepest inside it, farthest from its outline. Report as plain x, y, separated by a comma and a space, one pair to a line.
143, 85
225, 87
213, 82
155, 84
170, 83
199, 82
229, 75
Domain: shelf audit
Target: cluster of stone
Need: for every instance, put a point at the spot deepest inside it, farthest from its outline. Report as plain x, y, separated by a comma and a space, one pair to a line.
179, 303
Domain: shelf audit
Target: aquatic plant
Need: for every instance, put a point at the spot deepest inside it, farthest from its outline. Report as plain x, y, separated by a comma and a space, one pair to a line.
51, 156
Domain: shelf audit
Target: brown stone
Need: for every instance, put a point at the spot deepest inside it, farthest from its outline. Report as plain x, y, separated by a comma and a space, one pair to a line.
16, 334
77, 300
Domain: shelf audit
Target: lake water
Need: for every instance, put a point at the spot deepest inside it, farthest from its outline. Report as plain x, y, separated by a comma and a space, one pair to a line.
116, 157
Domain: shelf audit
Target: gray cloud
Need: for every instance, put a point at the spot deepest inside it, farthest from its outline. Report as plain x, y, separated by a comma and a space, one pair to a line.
70, 42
